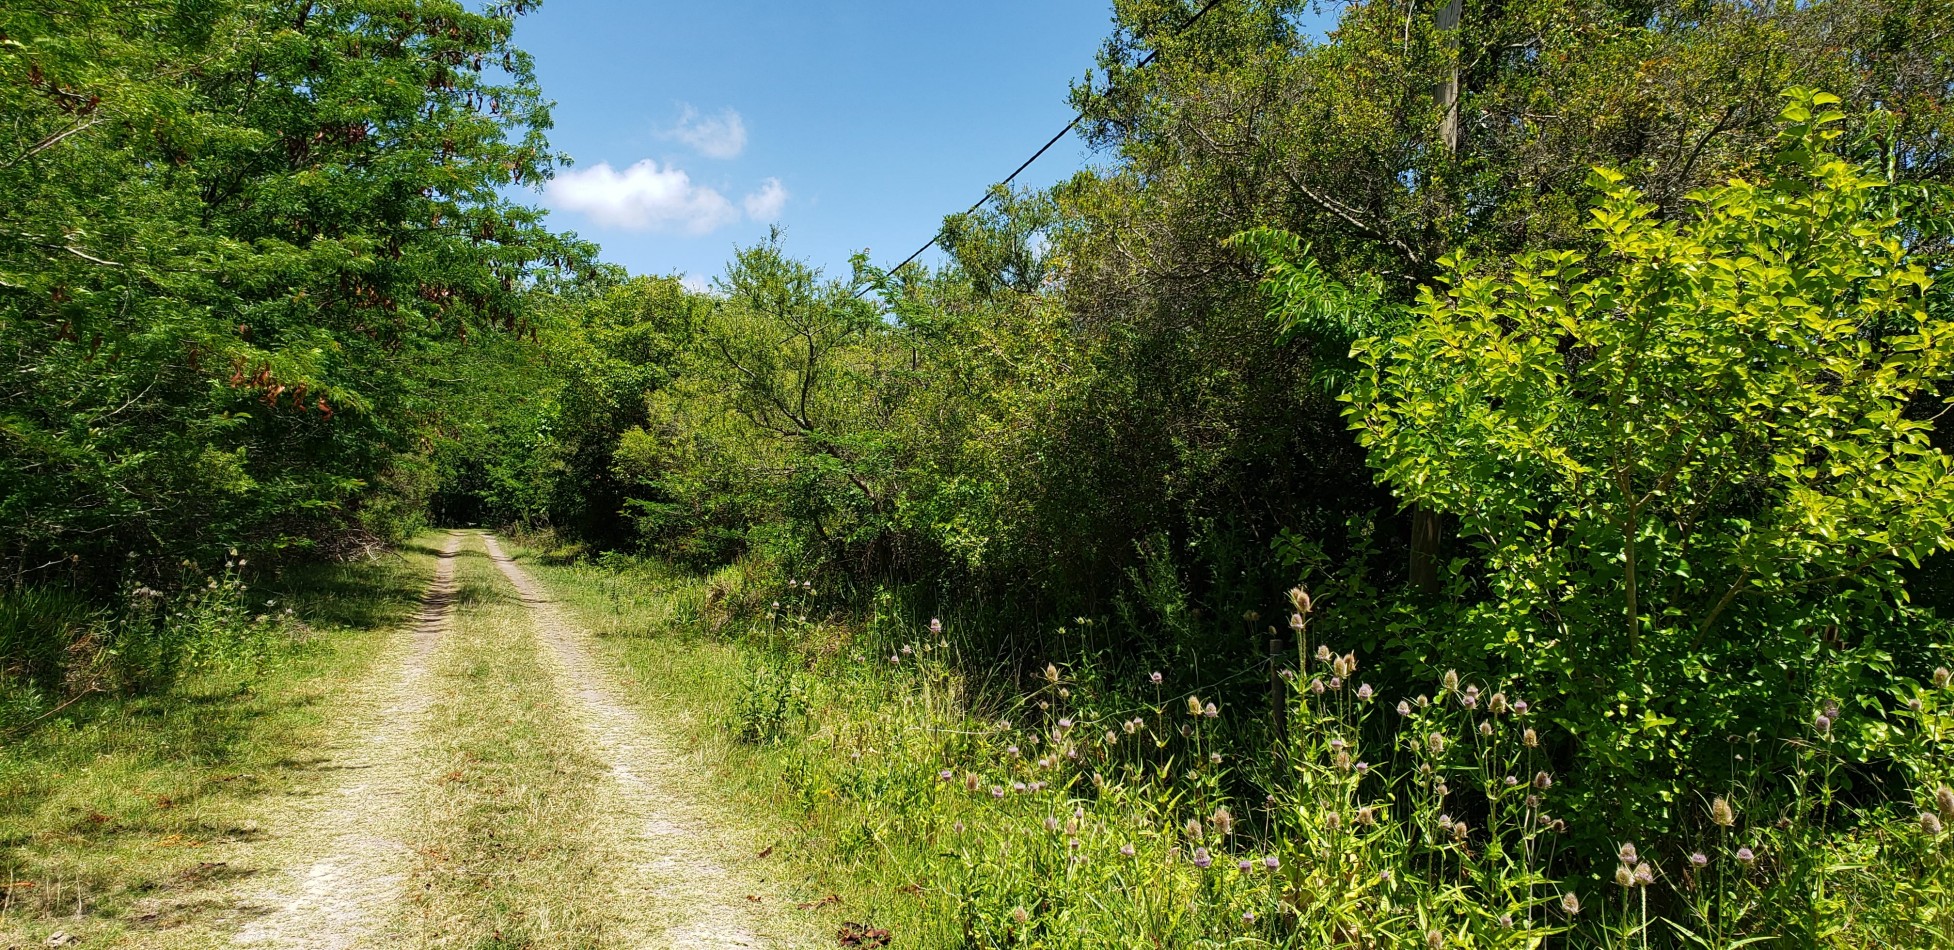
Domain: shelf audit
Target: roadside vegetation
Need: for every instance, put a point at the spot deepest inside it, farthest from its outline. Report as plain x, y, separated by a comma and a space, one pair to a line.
1479, 478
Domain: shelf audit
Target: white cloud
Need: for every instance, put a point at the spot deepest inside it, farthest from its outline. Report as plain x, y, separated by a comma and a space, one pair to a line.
694, 283
646, 197
714, 136
643, 197
765, 204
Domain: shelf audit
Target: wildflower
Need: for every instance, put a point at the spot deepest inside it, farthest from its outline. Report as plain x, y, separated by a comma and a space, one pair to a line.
1485, 728
1072, 844
1288, 675
1065, 724
936, 627
1130, 726
1296, 621
1459, 830
1366, 815
908, 650
1404, 708
1520, 707
1244, 866
1915, 704
1316, 686
1333, 821
1051, 824
1498, 705
1201, 858
1362, 767
1248, 917
1341, 761
1299, 599
1364, 693
1530, 739
1434, 940
1746, 855
1384, 875
1020, 915
1644, 875
1469, 699
1156, 678
1543, 781
1011, 751
1941, 677
1323, 654
997, 791
1194, 829
1436, 743
1506, 921
944, 775
1944, 800
1442, 790
894, 659
1721, 814
1699, 859
1126, 850
1510, 781
1823, 724
1210, 711
1930, 823
1336, 682
1627, 854
970, 781
1223, 821
1051, 673
1194, 705
1570, 904
1450, 680
1214, 758
1017, 786
1112, 738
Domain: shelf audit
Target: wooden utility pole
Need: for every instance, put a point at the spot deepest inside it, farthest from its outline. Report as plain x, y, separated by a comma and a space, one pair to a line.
1424, 521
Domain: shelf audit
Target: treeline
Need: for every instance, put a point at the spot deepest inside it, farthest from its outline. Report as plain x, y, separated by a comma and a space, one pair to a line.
1571, 447
244, 247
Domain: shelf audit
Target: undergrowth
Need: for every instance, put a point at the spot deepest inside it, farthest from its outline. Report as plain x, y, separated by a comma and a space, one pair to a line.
1066, 811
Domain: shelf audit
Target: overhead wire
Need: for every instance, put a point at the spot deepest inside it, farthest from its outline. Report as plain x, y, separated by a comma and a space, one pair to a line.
1062, 133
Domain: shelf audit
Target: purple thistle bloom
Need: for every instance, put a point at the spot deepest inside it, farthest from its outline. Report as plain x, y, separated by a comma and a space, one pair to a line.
1362, 767
1126, 850
997, 791
1364, 693
1823, 724
1210, 712
936, 627
1746, 855
1520, 706
1201, 858
1243, 866
943, 775
1271, 862
1156, 679
1248, 917
1699, 859
1404, 708
1017, 786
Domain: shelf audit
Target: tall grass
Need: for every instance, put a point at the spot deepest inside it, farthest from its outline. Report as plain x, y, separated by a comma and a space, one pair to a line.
1069, 811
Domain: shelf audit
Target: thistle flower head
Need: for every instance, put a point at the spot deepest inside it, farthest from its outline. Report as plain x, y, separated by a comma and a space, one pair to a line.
1930, 823
1210, 711
1624, 876
1194, 705
1126, 850
1051, 673
1404, 708
1498, 704
1944, 800
1299, 599
1644, 875
1051, 824
1194, 828
1316, 686
1323, 654
1520, 707
1627, 854
1272, 862
1434, 940
1156, 678
1436, 743
1201, 858
1941, 677
1223, 821
1543, 781
1020, 915
1699, 859
1364, 693
936, 627
1485, 728
1450, 680
1746, 855
1530, 739
1721, 814
1823, 724
1570, 904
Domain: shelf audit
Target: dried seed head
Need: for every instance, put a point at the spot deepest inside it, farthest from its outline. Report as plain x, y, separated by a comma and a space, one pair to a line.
1450, 680
1543, 781
1367, 815
1944, 800
1323, 654
1721, 814
1434, 940
1051, 673
1458, 831
1223, 821
1530, 739
1194, 829
1194, 705
1299, 599
1930, 823
1498, 704
1941, 677
1436, 743
1570, 904
1624, 876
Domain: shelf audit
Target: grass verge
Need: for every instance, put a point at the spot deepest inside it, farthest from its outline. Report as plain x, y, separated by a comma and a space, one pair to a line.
117, 798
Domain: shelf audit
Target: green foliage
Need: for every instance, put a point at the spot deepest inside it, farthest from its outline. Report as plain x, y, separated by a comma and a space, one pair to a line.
1690, 466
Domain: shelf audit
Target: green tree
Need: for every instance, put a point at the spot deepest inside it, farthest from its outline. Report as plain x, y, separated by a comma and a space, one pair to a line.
1691, 464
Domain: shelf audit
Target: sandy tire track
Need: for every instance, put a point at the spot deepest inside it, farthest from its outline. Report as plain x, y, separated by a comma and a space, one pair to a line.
675, 886
342, 867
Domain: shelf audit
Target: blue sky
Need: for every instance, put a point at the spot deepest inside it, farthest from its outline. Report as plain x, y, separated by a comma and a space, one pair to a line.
853, 124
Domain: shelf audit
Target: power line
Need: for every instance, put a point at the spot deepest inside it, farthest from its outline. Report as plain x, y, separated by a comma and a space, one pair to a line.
1069, 126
